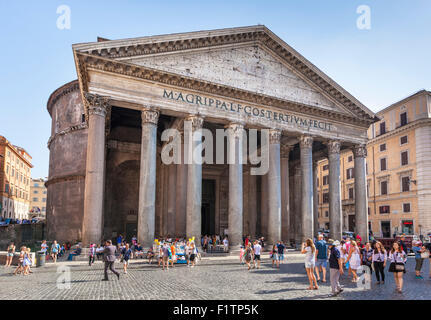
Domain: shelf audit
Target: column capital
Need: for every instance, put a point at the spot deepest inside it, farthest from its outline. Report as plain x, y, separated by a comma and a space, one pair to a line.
196, 120
306, 141
150, 115
274, 136
360, 151
285, 150
333, 146
96, 104
236, 129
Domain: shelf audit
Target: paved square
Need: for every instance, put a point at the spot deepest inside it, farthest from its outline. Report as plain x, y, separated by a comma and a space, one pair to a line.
214, 278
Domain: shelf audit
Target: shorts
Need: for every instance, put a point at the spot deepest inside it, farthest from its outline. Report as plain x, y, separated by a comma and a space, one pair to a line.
165, 258
280, 257
310, 264
419, 263
321, 263
257, 257
274, 256
126, 262
192, 257
10, 254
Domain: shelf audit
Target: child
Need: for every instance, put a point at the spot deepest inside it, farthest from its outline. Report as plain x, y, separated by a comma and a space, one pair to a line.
241, 255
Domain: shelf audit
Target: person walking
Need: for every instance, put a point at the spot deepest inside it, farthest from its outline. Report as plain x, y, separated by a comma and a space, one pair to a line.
44, 247
418, 250
91, 254
225, 244
109, 258
379, 262
335, 267
193, 254
322, 257
126, 254
398, 259
367, 261
309, 250
55, 248
280, 253
274, 255
10, 253
354, 260
248, 256
257, 248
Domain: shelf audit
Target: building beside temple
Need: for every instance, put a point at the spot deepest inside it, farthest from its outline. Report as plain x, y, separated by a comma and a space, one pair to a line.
15, 176
398, 172
106, 174
38, 194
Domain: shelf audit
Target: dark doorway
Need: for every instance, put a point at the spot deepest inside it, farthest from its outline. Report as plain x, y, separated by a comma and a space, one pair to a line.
208, 207
352, 225
386, 229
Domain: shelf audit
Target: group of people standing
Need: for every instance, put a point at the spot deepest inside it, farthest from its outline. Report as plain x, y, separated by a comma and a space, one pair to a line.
349, 255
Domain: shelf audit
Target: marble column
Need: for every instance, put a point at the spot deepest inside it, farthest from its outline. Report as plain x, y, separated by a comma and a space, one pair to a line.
181, 197
95, 167
252, 196
194, 179
147, 177
315, 199
274, 188
172, 191
297, 196
361, 201
235, 210
264, 208
285, 208
306, 145
335, 213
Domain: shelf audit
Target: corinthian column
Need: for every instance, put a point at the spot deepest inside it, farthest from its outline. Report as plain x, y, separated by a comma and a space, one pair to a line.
274, 188
306, 144
181, 197
315, 200
147, 178
335, 215
285, 206
361, 201
235, 218
194, 177
95, 169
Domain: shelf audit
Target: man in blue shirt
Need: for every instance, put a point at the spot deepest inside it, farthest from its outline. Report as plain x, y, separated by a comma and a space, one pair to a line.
335, 267
280, 253
417, 249
322, 257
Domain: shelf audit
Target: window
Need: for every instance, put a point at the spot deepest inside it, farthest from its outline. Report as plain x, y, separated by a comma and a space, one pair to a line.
325, 167
406, 207
351, 194
403, 118
403, 140
382, 128
6, 188
404, 158
383, 187
326, 213
383, 147
384, 209
35, 199
7, 169
405, 184
326, 197
369, 212
350, 159
43, 209
325, 180
349, 173
43, 199
407, 226
83, 117
382, 164
35, 191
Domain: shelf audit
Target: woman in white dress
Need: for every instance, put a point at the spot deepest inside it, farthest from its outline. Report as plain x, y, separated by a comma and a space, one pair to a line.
310, 262
354, 259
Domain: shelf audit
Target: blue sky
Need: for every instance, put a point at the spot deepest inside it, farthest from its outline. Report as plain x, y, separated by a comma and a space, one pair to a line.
378, 66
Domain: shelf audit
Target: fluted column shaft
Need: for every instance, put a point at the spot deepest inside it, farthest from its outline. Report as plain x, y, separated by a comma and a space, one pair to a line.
181, 197
315, 200
306, 145
297, 196
95, 167
147, 177
335, 213
235, 210
361, 201
274, 188
194, 178
285, 205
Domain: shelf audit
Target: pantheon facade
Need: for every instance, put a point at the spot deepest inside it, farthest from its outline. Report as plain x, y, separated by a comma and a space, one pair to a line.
106, 176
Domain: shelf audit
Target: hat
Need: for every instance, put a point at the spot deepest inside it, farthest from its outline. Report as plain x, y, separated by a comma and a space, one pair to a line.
330, 242
336, 243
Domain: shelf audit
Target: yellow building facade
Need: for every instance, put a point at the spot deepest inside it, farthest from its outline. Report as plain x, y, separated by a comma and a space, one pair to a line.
38, 198
15, 177
398, 172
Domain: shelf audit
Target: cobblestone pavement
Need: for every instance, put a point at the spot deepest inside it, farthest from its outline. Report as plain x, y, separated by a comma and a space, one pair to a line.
214, 278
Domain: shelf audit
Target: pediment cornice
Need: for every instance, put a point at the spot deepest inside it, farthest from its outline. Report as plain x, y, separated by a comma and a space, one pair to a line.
110, 53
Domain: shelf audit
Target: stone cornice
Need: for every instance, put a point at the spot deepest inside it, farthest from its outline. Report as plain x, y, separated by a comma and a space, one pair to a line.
64, 178
78, 127
257, 35
412, 125
189, 83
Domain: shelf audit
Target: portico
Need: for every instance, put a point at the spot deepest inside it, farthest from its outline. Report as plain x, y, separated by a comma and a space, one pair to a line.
135, 89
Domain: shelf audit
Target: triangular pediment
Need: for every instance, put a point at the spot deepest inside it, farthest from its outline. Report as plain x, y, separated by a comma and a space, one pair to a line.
252, 59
